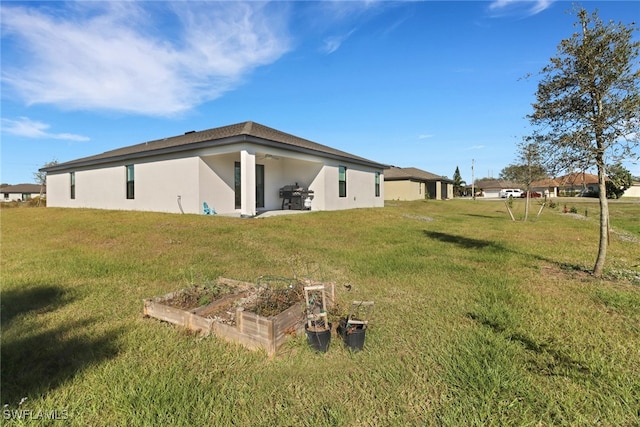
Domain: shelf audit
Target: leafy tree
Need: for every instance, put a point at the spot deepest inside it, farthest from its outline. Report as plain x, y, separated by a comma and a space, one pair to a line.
588, 103
520, 172
619, 180
511, 173
458, 183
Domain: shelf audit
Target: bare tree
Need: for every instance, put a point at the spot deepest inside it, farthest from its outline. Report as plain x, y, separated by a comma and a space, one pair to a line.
587, 105
41, 177
532, 169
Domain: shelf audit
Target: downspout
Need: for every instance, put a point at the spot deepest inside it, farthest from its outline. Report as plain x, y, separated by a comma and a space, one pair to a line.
180, 203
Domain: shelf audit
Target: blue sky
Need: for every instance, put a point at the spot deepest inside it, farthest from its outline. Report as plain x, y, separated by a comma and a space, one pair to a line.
432, 85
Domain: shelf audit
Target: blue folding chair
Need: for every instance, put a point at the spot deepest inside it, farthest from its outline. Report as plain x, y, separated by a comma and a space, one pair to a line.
207, 210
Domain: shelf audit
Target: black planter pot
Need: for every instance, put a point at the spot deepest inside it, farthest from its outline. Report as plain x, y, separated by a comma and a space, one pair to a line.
353, 336
354, 339
319, 340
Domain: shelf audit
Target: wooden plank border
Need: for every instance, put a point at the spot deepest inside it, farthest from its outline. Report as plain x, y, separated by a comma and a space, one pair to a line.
251, 330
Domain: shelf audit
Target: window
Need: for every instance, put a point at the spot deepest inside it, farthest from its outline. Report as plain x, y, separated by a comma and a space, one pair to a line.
72, 179
237, 185
342, 181
259, 186
130, 182
377, 184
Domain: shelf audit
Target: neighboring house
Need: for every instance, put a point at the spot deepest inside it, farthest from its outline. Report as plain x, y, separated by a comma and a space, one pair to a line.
236, 169
21, 192
633, 191
578, 184
415, 184
546, 187
490, 188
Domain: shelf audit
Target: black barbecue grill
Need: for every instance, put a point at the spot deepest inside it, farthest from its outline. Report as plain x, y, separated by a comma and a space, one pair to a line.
294, 197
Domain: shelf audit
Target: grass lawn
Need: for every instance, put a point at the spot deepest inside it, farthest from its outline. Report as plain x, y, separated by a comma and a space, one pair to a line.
478, 320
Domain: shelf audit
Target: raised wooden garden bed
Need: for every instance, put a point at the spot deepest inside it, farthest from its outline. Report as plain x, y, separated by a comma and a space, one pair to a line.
228, 317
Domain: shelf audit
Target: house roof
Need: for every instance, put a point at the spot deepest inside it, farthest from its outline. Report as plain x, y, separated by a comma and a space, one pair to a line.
395, 173
495, 184
549, 182
225, 135
21, 188
577, 179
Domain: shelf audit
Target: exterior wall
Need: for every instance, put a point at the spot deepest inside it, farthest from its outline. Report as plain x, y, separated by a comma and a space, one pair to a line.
156, 187
447, 190
183, 184
404, 190
633, 191
546, 191
578, 189
12, 197
159, 184
58, 193
283, 171
360, 188
216, 178
490, 193
416, 190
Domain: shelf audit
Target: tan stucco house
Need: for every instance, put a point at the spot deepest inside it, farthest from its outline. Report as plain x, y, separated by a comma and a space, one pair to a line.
578, 184
546, 187
235, 169
633, 191
415, 184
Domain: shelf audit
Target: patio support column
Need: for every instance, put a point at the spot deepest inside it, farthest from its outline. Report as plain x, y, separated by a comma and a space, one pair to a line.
248, 183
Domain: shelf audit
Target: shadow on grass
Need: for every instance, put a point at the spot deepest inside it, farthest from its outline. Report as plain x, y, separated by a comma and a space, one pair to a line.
485, 216
38, 359
549, 361
40, 299
464, 242
469, 243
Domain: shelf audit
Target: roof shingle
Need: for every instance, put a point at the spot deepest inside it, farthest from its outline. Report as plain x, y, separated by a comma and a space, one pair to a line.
245, 131
396, 173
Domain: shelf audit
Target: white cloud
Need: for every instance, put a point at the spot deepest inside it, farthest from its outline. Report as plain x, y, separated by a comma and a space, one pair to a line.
333, 43
475, 147
141, 57
28, 128
425, 136
528, 7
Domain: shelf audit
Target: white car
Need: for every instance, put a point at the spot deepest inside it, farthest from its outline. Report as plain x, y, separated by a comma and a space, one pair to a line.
510, 192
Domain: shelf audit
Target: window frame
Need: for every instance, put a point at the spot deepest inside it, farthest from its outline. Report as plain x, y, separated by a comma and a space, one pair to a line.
342, 181
72, 185
237, 185
130, 182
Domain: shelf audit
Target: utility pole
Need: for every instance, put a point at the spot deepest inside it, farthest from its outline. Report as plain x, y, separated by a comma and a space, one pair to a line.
473, 182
